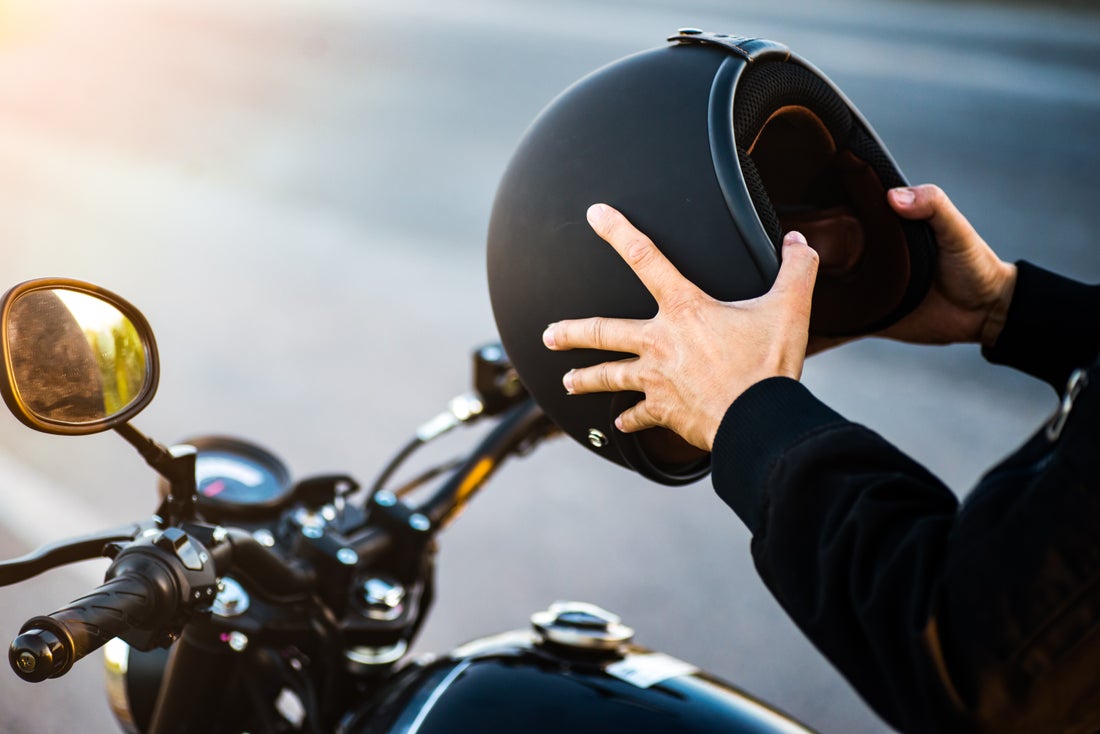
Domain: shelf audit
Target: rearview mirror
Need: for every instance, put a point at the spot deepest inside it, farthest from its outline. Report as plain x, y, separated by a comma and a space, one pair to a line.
77, 358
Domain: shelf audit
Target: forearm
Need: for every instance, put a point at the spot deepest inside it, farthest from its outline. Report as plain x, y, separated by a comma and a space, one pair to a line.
1052, 326
848, 535
983, 617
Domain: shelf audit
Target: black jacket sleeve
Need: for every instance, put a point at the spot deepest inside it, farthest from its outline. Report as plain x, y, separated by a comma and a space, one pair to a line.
944, 618
1052, 328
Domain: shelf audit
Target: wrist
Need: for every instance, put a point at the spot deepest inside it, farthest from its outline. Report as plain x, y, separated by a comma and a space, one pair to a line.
995, 318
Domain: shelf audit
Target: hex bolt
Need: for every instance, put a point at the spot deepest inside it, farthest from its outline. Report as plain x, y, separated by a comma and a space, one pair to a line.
419, 522
385, 498
237, 641
383, 598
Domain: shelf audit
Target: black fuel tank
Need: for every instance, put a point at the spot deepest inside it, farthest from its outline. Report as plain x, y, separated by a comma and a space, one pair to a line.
519, 682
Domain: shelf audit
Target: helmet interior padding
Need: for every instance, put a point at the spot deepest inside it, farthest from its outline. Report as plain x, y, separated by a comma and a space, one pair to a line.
799, 145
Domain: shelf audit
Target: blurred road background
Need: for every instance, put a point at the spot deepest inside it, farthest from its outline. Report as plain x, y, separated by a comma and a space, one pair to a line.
296, 195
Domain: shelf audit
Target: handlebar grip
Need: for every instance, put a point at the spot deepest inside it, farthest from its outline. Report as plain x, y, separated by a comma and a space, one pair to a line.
48, 646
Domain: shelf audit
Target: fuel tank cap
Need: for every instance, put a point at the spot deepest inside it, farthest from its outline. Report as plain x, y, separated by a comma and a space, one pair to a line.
581, 625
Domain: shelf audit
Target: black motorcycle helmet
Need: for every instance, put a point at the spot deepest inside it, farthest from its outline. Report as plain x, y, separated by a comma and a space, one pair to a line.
713, 146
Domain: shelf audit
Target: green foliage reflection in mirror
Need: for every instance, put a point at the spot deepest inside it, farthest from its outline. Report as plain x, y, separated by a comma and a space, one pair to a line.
78, 358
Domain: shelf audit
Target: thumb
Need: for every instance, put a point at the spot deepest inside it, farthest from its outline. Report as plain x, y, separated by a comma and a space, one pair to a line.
797, 271
929, 202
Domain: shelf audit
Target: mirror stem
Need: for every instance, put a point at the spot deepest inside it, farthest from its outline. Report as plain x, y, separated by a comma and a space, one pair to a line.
177, 465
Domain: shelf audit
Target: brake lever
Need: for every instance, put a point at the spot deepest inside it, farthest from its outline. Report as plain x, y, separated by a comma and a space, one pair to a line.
63, 552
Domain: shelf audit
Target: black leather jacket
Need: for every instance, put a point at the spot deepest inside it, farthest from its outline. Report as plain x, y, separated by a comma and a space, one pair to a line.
983, 616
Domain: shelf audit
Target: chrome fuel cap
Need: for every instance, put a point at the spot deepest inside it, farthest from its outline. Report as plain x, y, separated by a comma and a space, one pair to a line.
581, 625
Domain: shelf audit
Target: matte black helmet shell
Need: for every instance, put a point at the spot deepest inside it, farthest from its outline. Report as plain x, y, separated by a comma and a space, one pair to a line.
713, 146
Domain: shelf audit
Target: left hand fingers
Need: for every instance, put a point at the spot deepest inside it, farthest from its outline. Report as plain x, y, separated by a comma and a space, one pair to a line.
637, 418
658, 275
605, 377
613, 335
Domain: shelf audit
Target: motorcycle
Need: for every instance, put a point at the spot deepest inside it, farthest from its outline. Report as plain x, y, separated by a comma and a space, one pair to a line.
254, 602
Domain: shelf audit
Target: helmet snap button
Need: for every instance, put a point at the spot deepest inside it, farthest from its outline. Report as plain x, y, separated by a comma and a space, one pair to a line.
597, 438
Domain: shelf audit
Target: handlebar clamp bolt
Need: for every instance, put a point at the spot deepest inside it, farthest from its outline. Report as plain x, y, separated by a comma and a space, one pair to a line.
347, 556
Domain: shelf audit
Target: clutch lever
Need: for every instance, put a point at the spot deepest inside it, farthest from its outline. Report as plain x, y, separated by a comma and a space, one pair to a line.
63, 552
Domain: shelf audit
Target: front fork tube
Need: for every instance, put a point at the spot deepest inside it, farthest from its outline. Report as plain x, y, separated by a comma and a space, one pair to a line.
200, 670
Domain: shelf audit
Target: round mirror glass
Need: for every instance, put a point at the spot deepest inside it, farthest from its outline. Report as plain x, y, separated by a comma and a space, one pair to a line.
74, 358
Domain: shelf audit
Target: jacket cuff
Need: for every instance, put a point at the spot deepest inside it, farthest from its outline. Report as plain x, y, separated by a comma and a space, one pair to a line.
758, 428
1050, 326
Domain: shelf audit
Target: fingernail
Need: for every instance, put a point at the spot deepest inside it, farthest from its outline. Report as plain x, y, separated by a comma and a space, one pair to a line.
548, 336
794, 238
903, 196
596, 213
567, 380
619, 422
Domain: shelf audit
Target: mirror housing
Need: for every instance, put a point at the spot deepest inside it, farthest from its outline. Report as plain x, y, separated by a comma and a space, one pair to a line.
77, 358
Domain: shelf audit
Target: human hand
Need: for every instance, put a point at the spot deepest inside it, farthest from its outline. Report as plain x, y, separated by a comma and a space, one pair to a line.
698, 354
969, 298
972, 287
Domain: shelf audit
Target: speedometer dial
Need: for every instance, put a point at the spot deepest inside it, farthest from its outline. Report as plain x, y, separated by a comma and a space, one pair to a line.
238, 479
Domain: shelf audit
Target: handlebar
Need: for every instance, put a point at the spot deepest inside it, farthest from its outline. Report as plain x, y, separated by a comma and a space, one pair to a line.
48, 646
238, 552
157, 581
518, 430
520, 427
151, 589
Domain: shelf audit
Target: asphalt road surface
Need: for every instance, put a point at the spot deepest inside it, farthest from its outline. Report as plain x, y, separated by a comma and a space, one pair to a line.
296, 195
